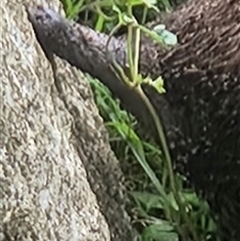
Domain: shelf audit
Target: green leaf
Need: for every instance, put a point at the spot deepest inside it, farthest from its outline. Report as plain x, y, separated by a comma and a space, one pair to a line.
151, 34
159, 232
149, 200
158, 85
138, 151
159, 28
100, 23
167, 37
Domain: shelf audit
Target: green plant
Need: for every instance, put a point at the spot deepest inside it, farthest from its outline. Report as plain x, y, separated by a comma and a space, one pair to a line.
165, 209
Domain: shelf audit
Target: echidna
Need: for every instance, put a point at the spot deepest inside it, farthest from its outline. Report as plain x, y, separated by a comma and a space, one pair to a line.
202, 78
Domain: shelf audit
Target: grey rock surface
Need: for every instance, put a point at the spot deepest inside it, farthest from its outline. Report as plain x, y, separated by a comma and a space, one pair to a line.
59, 177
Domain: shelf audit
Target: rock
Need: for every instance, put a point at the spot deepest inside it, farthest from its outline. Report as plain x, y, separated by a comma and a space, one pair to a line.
59, 177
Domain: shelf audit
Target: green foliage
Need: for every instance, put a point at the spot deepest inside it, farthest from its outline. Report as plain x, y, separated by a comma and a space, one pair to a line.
151, 208
103, 12
163, 207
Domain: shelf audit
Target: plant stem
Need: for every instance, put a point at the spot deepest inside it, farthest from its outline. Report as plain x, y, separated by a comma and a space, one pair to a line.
138, 88
133, 82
